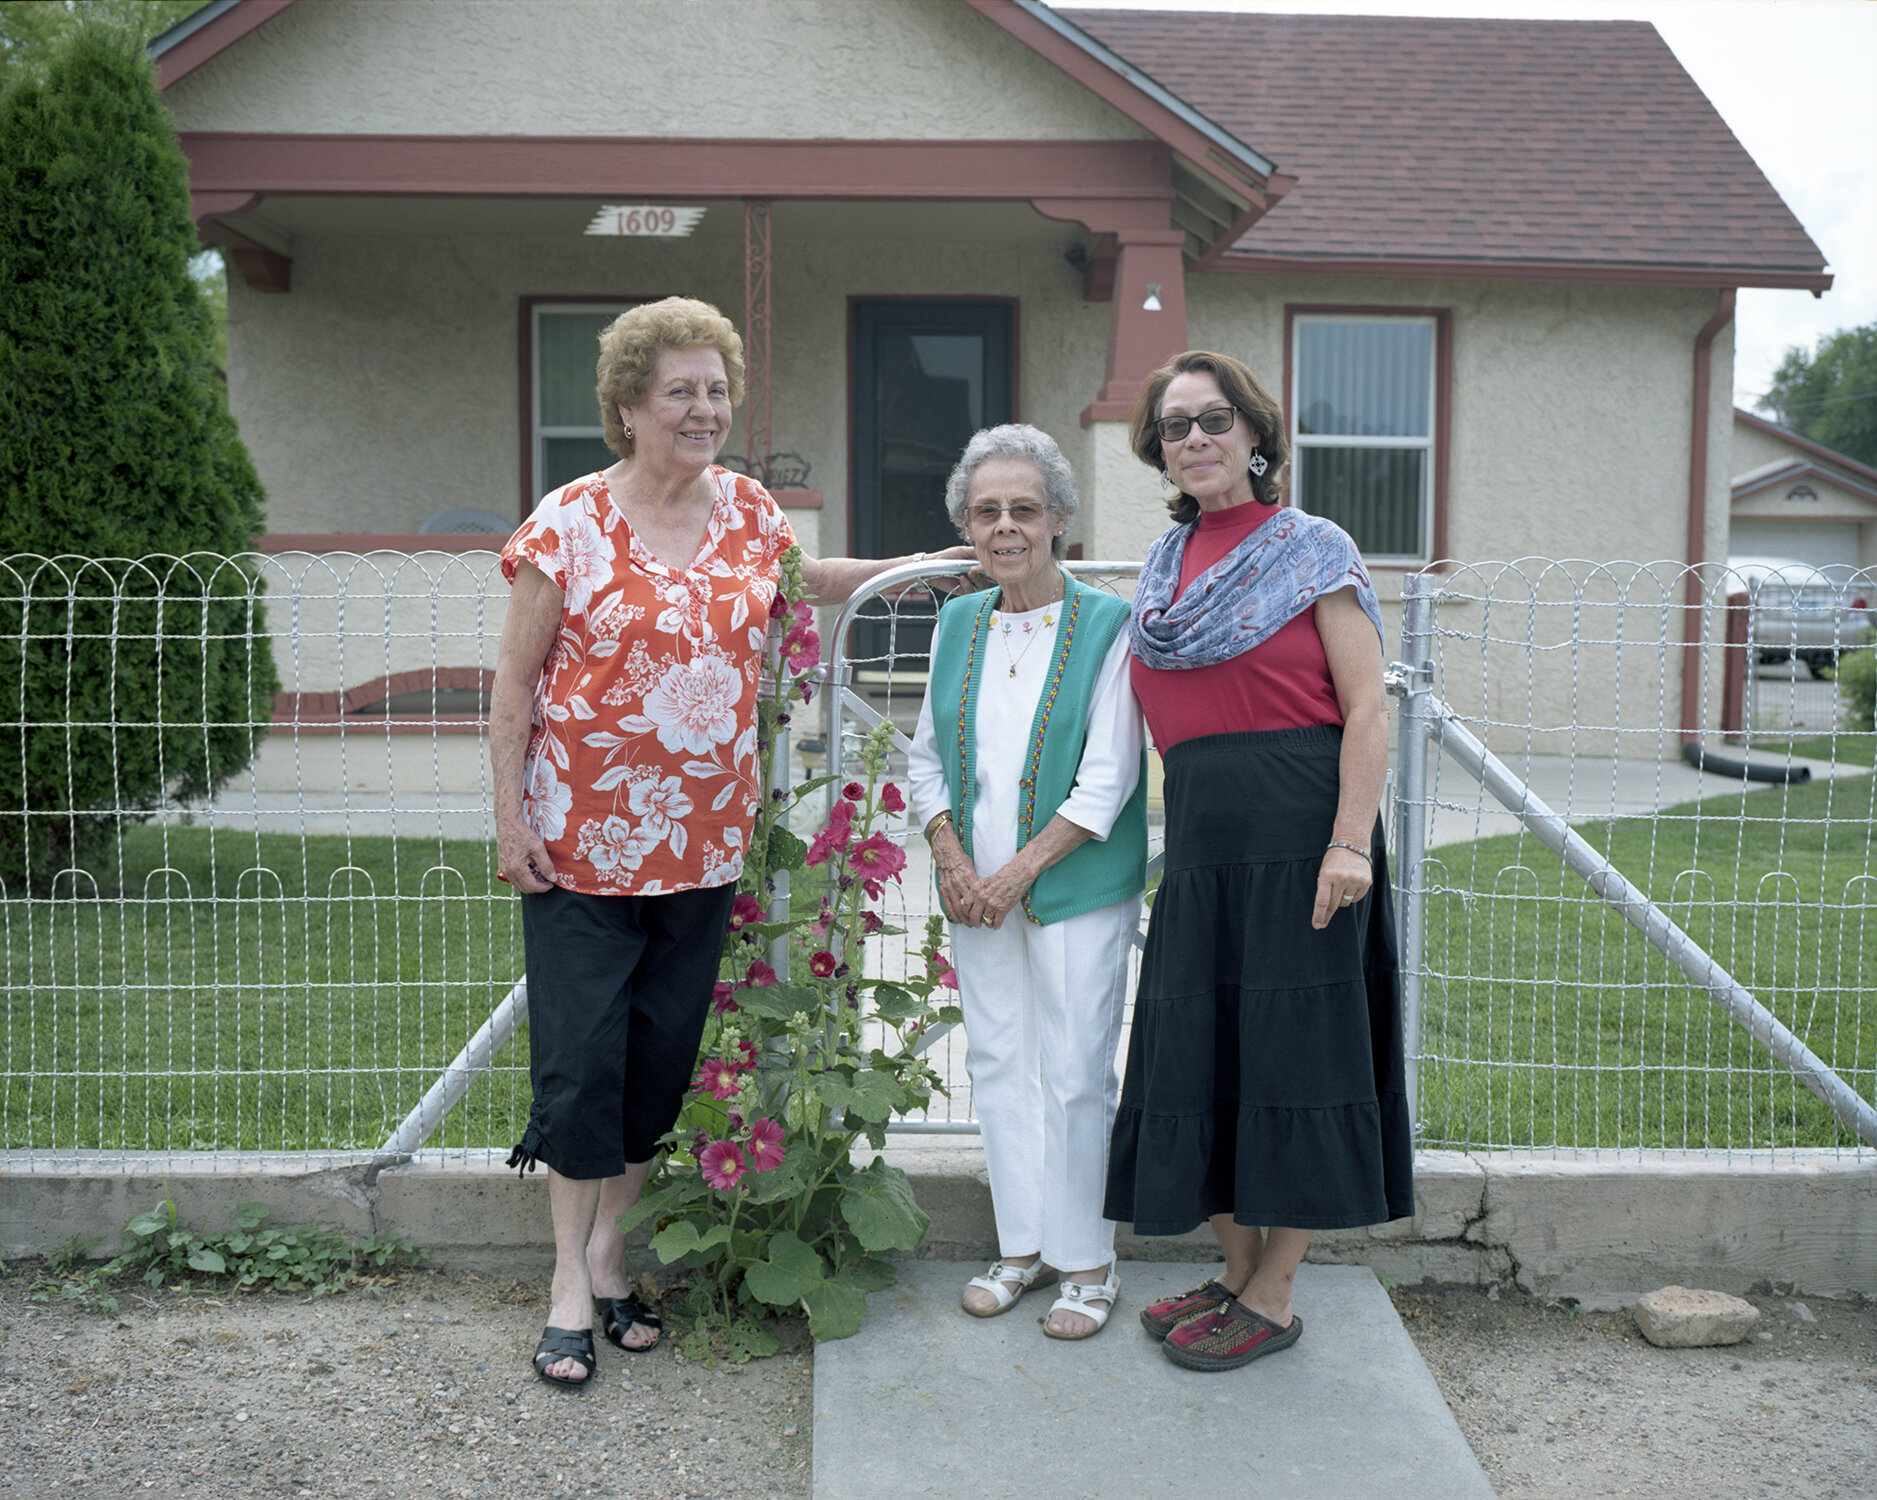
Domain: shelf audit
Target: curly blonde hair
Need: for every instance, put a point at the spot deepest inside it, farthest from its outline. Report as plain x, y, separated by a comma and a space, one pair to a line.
632, 342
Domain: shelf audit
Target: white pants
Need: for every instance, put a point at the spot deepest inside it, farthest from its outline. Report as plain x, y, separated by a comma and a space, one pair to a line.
1042, 1024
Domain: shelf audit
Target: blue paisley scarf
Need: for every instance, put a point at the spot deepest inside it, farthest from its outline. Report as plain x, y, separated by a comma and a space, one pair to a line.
1247, 596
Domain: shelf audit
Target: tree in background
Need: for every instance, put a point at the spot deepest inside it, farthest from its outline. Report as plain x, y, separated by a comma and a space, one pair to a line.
31, 30
122, 683
1830, 396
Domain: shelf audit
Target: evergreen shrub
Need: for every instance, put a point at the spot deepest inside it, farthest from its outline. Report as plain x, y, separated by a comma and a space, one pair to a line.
134, 667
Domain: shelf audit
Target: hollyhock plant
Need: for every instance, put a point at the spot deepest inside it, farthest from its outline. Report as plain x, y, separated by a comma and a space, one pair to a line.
784, 1212
723, 1165
766, 1151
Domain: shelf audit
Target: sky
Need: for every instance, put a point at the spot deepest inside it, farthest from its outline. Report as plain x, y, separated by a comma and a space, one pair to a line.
1793, 81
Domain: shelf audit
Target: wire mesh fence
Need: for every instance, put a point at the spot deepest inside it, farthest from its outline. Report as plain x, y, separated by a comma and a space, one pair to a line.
1546, 1019
286, 962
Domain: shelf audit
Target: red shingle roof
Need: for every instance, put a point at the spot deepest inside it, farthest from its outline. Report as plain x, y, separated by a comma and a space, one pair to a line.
1557, 142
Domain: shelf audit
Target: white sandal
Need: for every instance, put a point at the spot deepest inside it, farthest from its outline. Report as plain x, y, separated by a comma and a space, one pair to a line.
1079, 1297
993, 1281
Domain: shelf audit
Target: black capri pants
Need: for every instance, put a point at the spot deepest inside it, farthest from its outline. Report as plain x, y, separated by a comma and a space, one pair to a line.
618, 992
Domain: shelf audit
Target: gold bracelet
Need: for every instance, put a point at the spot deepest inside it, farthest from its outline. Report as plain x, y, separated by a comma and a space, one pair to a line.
932, 828
1345, 844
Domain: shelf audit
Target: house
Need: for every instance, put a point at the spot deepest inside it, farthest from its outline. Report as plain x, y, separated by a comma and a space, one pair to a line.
1490, 265
1796, 498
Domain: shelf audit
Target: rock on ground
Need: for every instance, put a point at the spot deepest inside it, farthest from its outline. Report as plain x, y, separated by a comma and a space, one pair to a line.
1679, 1317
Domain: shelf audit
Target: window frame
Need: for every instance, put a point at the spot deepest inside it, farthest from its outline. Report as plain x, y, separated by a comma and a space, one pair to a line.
528, 382
1439, 439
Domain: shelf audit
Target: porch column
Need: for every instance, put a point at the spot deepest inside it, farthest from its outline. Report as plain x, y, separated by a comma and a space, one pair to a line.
1147, 327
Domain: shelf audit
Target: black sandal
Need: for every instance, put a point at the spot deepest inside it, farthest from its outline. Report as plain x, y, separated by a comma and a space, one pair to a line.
618, 1314
565, 1343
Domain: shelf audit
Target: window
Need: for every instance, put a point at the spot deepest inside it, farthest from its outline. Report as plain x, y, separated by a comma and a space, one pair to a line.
1365, 425
563, 439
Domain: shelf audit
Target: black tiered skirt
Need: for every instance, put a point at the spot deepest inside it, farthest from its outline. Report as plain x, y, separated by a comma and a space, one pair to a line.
1264, 1071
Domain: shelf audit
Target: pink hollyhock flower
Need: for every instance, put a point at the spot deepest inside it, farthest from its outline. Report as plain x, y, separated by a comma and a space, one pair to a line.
760, 974
722, 1002
878, 858
802, 612
870, 923
716, 1078
744, 910
723, 1165
801, 647
822, 965
891, 799
779, 605
853, 792
745, 1058
765, 1146
946, 975
834, 838
698, 1142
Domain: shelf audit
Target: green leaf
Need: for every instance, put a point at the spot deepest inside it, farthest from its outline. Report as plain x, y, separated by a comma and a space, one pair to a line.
249, 1215
895, 1006
870, 1275
835, 1309
675, 1241
779, 1001
786, 851
205, 1259
869, 1095
878, 1205
791, 1271
145, 1225
951, 1015
780, 1182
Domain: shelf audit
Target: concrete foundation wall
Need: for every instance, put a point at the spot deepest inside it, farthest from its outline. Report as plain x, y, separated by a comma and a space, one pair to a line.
1601, 1231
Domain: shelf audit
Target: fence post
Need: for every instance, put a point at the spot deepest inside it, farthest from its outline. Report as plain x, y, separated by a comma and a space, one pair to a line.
777, 671
1412, 680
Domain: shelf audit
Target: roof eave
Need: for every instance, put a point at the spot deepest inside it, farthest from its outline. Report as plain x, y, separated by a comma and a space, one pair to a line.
1613, 273
206, 33
1818, 450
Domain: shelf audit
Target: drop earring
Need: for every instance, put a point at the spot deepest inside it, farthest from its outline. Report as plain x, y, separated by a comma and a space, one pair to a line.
1259, 463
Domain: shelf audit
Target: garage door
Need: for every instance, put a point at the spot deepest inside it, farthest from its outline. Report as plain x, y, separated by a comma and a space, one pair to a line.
1820, 543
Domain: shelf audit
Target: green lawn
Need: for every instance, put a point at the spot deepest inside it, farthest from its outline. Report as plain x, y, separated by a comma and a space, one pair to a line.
270, 992
1547, 1020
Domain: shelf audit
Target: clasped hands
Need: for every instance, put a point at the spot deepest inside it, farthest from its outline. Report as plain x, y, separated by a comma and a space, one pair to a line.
973, 902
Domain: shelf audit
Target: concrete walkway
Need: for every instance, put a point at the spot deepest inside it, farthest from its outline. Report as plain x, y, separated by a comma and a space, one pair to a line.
925, 1400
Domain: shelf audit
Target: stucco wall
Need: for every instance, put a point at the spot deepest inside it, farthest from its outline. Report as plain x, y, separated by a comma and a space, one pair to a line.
383, 388
916, 69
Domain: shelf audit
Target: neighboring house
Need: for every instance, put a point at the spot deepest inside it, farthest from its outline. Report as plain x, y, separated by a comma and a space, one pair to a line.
1488, 265
1796, 498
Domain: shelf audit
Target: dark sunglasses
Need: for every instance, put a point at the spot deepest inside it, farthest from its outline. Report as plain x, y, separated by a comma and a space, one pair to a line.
1214, 422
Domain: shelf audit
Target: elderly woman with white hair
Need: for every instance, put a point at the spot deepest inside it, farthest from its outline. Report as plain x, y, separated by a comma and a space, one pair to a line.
1028, 769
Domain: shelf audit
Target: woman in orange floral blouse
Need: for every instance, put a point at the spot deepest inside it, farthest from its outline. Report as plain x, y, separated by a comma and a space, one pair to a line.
623, 741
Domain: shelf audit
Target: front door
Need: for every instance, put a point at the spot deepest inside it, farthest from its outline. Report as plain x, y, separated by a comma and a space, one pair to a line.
927, 375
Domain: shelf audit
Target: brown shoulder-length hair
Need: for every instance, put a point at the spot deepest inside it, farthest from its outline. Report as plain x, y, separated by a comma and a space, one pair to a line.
1242, 389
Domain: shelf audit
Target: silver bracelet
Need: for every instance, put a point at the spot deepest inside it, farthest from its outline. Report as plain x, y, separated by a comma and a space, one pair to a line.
1345, 844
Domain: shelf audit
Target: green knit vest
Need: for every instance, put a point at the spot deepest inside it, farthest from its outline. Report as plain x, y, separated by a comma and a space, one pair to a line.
1099, 872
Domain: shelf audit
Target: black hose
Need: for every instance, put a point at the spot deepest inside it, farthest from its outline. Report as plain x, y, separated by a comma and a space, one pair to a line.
1726, 765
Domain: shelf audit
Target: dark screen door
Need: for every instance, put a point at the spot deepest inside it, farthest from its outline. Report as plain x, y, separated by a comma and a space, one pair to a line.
926, 376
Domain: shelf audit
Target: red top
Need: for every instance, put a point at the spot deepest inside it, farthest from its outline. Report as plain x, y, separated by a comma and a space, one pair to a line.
1283, 682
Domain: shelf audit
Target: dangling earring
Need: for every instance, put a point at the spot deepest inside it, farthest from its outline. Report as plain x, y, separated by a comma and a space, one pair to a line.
1166, 480
1259, 463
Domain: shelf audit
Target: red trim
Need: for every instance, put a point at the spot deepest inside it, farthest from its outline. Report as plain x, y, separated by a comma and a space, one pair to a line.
1115, 90
215, 38
1534, 270
1443, 399
379, 541
797, 499
1280, 184
1802, 468
1693, 589
300, 711
1818, 450
620, 167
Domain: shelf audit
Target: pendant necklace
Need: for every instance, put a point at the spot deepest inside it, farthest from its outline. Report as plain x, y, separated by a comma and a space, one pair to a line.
1030, 635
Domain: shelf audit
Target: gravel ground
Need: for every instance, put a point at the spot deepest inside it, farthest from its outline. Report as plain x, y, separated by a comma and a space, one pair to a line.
1559, 1403
419, 1387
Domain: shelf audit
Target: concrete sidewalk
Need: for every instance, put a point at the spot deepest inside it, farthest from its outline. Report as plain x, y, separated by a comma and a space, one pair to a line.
925, 1400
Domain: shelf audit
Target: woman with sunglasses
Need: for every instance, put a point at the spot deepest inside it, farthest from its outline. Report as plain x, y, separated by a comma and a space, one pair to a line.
1026, 767
1265, 1086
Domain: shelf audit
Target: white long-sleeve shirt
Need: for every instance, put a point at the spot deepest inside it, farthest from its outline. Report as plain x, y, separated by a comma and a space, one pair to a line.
1006, 711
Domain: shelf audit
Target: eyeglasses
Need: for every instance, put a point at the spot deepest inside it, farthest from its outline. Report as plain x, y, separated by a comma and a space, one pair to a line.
1215, 421
1023, 513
